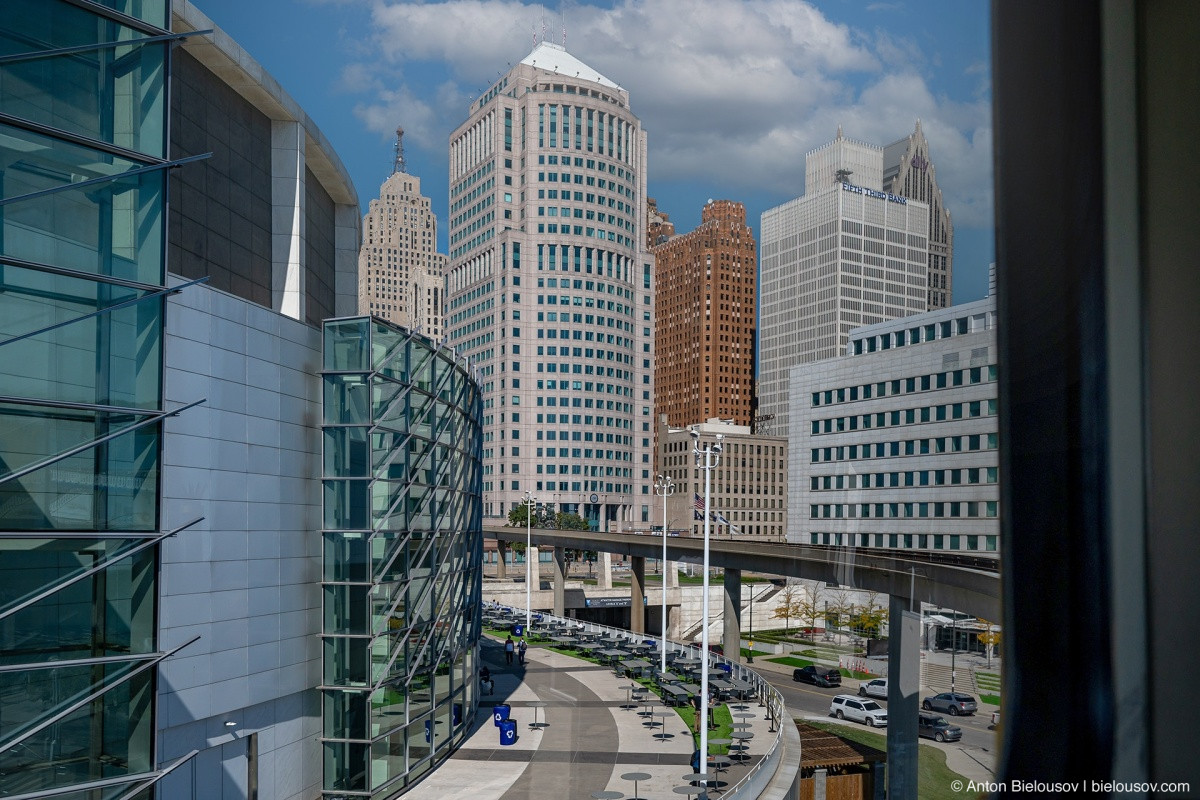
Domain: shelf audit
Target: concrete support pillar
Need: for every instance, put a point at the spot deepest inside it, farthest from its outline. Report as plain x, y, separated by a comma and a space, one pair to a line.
731, 639
672, 581
501, 554
672, 624
533, 569
820, 777
560, 580
637, 591
904, 678
603, 570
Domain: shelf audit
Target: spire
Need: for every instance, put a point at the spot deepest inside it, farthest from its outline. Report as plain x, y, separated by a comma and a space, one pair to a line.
398, 150
839, 133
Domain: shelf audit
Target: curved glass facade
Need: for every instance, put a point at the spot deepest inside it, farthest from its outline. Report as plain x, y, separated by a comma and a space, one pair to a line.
402, 551
83, 99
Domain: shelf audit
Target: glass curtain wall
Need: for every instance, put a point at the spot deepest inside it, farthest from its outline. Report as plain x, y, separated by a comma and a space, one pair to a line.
402, 554
83, 100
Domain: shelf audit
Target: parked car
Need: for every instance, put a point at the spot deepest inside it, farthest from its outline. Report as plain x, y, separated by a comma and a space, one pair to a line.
818, 676
953, 703
933, 726
876, 688
847, 706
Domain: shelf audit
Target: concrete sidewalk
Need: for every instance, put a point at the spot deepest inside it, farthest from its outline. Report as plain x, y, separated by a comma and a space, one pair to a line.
585, 740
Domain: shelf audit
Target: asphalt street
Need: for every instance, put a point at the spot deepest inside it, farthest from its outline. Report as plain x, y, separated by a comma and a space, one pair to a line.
804, 700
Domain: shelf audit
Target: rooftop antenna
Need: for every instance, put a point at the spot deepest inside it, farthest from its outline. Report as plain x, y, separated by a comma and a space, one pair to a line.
542, 8
564, 39
398, 152
533, 34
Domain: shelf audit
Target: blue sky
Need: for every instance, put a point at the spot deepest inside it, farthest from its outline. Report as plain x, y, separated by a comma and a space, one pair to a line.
732, 94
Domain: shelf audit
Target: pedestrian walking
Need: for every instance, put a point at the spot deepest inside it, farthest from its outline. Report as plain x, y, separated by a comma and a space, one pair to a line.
521, 649
508, 650
698, 708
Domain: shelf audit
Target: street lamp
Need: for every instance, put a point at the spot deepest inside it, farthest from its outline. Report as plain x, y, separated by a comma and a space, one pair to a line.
528, 502
707, 460
750, 652
664, 486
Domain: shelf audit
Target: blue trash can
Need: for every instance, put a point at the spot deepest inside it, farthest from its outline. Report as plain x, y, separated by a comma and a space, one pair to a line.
428, 731
727, 667
456, 714
500, 714
518, 629
508, 732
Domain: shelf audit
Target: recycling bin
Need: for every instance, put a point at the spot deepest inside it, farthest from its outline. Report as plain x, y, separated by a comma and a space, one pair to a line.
500, 714
508, 732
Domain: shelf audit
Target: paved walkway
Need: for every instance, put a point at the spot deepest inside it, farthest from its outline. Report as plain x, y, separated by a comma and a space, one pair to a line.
588, 740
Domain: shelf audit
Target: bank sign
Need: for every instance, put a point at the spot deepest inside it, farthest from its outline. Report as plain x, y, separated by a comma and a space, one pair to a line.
891, 198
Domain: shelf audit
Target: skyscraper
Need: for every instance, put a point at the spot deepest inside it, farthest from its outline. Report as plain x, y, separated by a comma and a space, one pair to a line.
401, 275
908, 172
550, 291
704, 334
843, 255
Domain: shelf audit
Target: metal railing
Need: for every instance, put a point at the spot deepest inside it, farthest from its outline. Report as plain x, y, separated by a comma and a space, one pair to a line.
758, 776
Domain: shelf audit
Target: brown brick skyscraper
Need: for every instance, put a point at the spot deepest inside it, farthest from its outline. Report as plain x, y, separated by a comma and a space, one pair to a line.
704, 338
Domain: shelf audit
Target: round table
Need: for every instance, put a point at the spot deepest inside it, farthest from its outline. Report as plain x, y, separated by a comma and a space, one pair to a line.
662, 735
689, 789
719, 765
535, 705
743, 738
629, 690
635, 777
607, 795
719, 742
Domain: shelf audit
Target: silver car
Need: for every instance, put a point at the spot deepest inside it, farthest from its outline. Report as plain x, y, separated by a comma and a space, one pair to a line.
953, 703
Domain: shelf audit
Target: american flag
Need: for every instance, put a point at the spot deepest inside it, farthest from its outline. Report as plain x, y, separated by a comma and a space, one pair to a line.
699, 503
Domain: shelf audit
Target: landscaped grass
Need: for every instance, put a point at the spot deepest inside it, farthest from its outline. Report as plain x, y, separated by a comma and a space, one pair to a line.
990, 699
933, 776
724, 719
790, 661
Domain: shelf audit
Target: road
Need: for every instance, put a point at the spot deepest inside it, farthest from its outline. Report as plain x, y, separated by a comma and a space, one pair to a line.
803, 700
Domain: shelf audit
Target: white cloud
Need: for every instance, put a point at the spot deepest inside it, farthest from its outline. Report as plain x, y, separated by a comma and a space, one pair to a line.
735, 96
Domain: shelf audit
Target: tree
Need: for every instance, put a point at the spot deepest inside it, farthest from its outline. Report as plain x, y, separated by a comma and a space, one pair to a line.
838, 606
788, 597
867, 619
808, 607
571, 522
989, 637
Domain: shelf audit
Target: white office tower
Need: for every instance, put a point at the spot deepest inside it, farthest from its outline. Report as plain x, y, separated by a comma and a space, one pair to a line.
842, 256
401, 276
550, 290
908, 172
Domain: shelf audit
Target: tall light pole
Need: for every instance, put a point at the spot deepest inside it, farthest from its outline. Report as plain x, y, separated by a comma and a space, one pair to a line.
664, 486
528, 502
706, 459
750, 652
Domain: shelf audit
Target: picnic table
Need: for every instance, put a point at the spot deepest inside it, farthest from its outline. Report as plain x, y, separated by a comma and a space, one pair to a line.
612, 654
674, 695
636, 665
741, 688
667, 677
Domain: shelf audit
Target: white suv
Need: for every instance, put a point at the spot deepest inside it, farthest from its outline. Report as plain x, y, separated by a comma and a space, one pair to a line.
847, 706
875, 688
